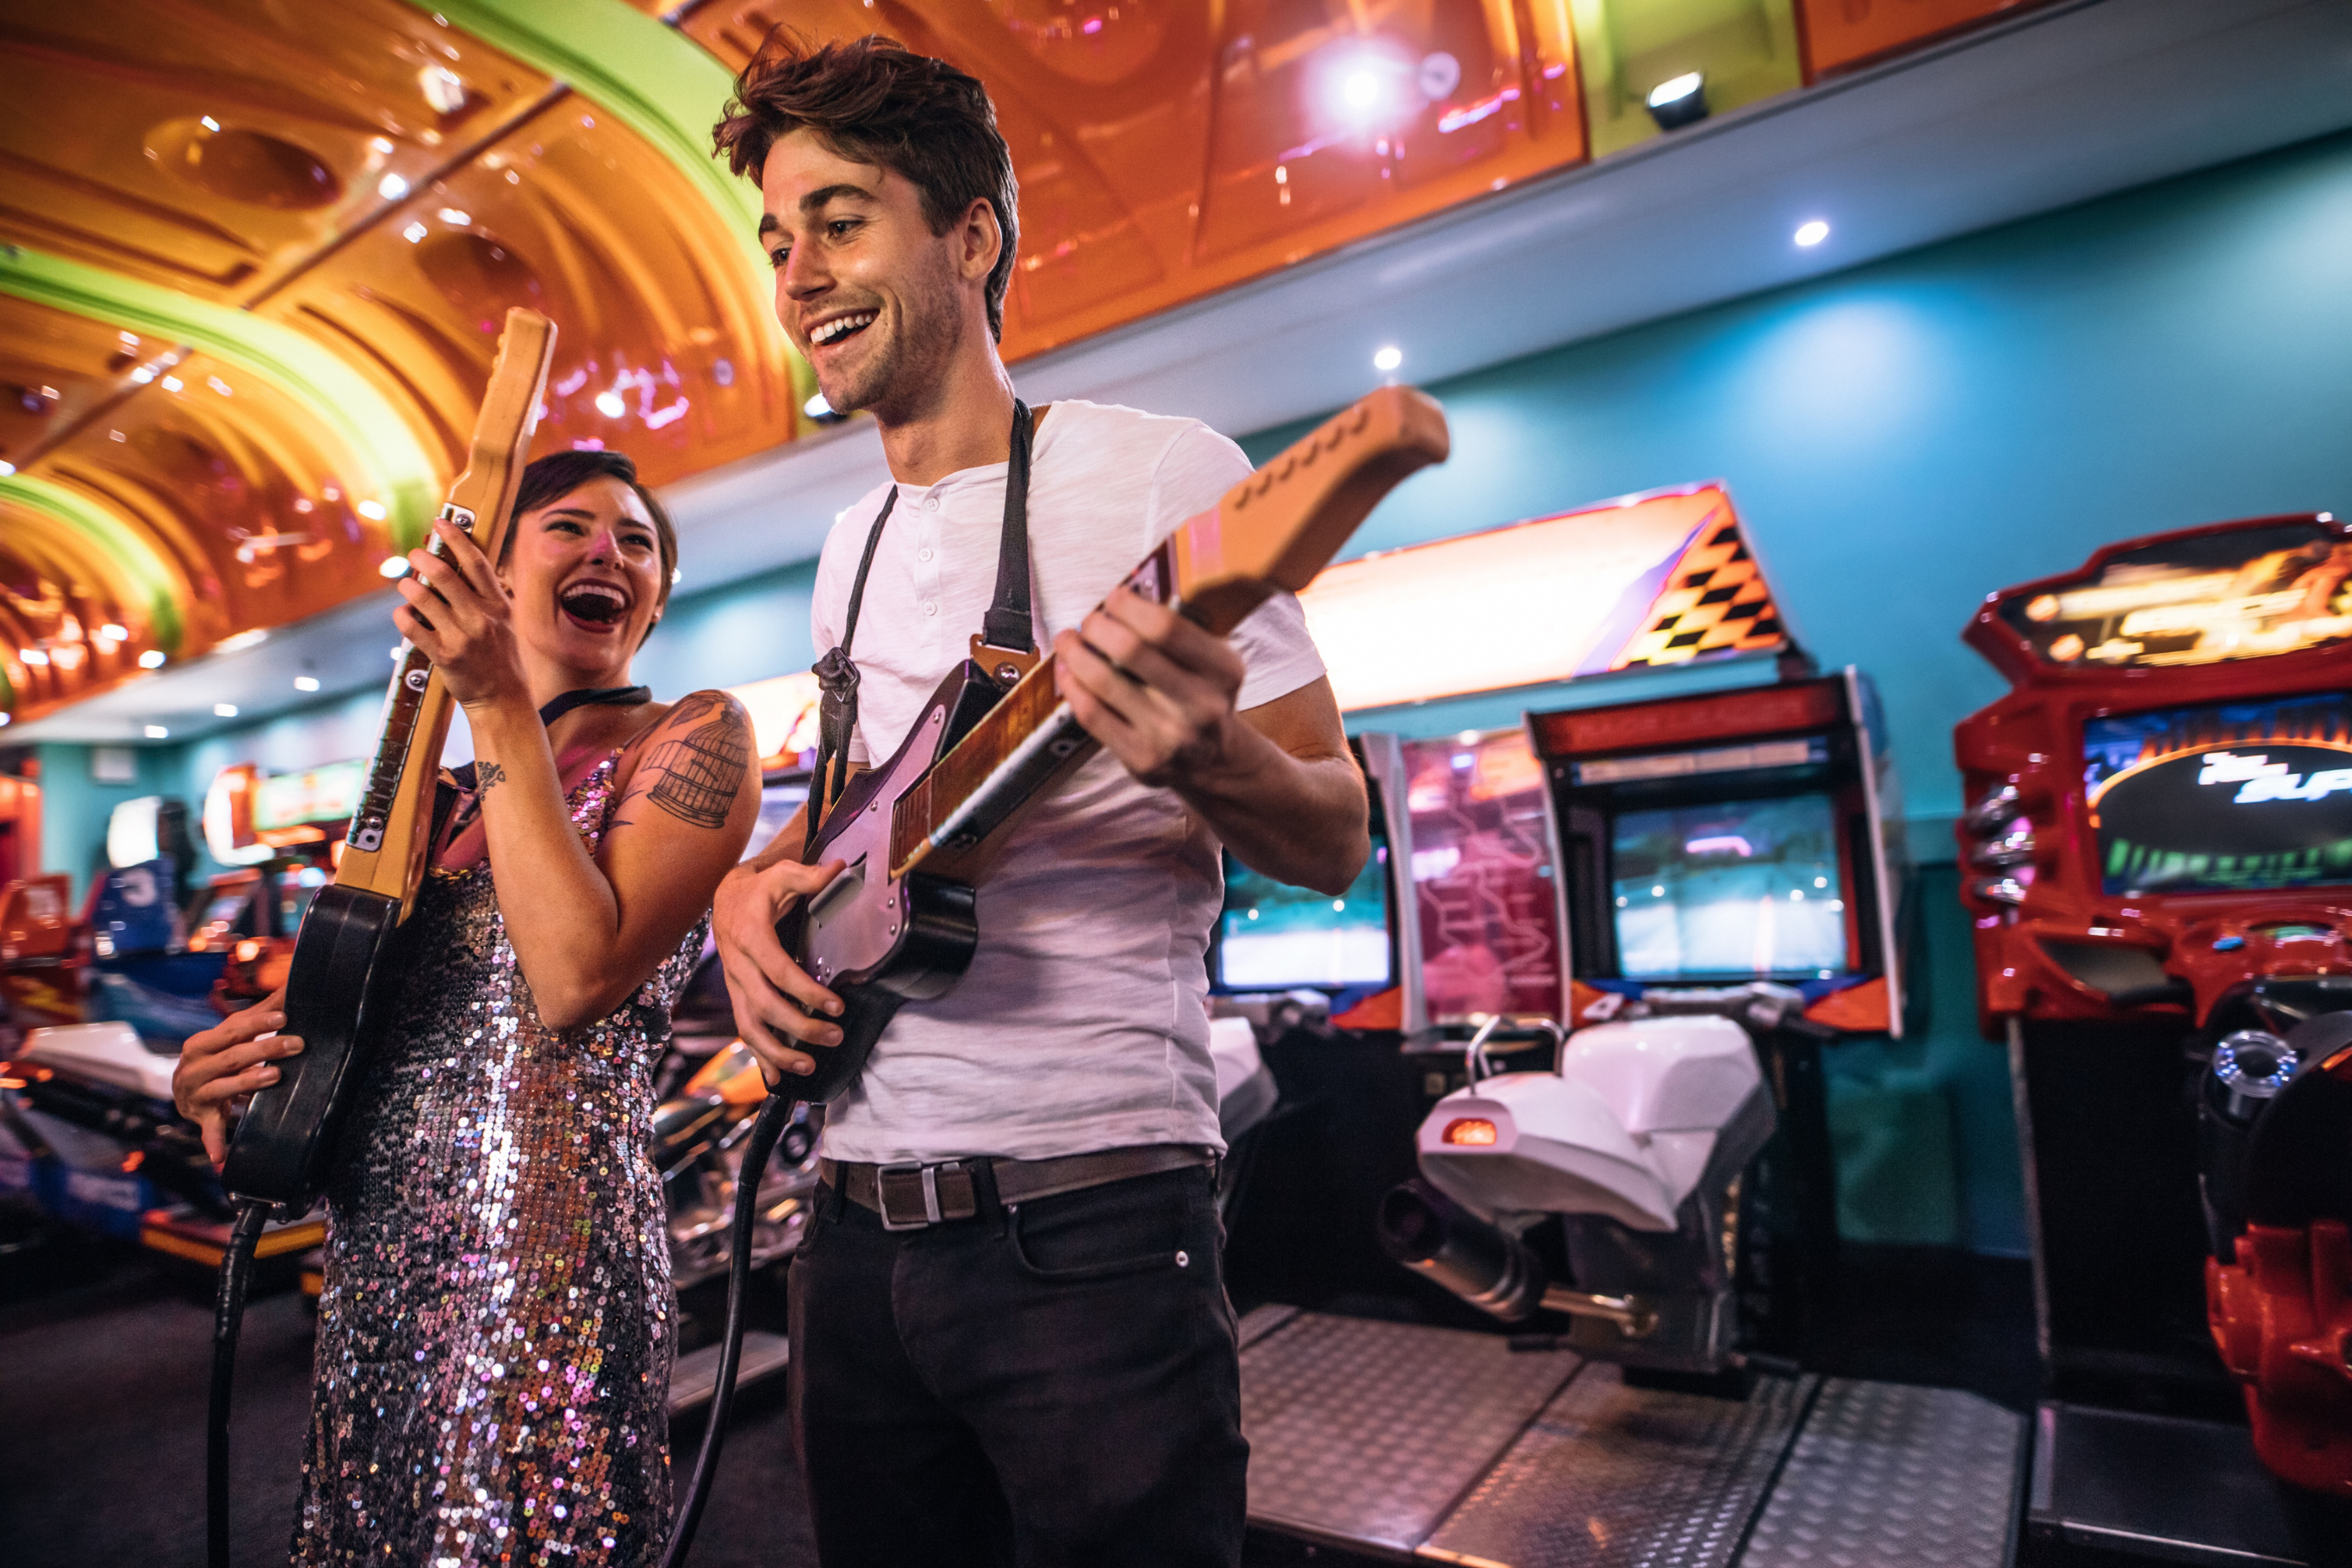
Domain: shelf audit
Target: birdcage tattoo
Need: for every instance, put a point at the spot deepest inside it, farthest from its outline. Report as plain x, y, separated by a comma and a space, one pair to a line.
702, 772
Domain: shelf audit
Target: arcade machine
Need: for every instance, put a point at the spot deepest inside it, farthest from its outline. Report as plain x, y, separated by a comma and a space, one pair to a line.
2156, 851
1713, 886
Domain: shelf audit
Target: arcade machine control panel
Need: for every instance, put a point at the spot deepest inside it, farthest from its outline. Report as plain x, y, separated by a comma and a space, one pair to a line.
2157, 855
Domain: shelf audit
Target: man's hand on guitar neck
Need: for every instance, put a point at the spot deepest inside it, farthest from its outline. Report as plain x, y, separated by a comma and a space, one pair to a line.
1276, 782
778, 1007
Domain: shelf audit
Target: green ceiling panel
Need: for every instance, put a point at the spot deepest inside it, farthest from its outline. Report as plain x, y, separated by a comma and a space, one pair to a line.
127, 546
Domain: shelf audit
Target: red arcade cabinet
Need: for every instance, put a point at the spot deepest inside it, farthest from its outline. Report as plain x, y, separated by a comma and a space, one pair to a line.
2157, 850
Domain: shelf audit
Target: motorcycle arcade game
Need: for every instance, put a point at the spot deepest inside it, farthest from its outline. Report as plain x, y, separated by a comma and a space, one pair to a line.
2158, 848
1653, 1213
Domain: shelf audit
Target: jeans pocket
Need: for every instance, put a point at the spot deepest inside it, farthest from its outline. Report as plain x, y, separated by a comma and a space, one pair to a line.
1103, 1233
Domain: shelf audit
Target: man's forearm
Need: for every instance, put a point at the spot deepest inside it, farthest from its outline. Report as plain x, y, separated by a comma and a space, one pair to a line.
1301, 820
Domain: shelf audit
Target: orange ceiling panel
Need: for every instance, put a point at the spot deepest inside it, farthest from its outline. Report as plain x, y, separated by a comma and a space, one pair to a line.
1167, 149
57, 369
216, 147
659, 353
238, 487
58, 592
1840, 34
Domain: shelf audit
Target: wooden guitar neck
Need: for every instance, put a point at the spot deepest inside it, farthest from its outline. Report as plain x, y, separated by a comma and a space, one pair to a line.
1272, 532
385, 852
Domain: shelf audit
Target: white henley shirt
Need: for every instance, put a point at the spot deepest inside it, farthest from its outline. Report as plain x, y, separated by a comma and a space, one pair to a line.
1082, 1023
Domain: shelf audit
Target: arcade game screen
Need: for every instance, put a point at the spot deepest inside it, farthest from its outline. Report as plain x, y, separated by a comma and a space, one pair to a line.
2223, 798
1745, 889
1275, 937
1482, 877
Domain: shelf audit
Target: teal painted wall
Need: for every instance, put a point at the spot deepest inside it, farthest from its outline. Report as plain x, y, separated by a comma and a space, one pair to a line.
75, 807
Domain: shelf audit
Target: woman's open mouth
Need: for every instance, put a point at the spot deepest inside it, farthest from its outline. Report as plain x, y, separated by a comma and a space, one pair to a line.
594, 607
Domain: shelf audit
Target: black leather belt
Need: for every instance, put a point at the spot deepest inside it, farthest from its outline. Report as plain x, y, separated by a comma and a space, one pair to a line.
912, 1195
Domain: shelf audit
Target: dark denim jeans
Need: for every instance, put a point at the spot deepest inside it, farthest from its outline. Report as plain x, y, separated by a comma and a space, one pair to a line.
1052, 1386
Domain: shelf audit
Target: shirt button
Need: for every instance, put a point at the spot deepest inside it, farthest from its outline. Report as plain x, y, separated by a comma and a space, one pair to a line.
930, 609
922, 555
930, 503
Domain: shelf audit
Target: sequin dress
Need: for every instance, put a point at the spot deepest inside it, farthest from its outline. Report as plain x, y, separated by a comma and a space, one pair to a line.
495, 1334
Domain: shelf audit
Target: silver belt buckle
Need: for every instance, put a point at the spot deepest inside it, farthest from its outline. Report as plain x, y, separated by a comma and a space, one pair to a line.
930, 1175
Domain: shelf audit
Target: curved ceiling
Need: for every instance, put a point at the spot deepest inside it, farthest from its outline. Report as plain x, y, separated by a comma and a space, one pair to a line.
255, 254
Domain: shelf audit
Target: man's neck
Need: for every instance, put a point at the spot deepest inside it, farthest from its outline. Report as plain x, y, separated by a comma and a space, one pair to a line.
963, 421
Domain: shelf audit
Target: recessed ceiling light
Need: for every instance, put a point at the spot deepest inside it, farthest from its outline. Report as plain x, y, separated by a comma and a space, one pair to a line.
306, 683
157, 732
393, 566
415, 233
609, 405
1387, 358
1679, 101
371, 510
456, 216
6, 469
223, 709
151, 660
111, 631
34, 656
208, 122
173, 383
1811, 231
816, 407
391, 187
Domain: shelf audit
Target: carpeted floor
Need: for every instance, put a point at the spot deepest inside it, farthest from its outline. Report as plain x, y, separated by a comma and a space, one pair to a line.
104, 1358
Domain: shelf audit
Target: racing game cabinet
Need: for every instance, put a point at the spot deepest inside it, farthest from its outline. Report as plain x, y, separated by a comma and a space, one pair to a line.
2156, 858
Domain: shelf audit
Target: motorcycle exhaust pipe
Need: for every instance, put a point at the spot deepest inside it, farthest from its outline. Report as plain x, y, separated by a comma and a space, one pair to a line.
1439, 1239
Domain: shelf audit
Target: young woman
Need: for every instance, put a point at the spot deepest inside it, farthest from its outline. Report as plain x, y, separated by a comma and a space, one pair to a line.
495, 1337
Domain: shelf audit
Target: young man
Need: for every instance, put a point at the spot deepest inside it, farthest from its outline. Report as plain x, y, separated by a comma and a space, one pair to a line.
1034, 1361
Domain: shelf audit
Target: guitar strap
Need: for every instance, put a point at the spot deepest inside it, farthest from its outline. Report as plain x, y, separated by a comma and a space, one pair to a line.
1009, 625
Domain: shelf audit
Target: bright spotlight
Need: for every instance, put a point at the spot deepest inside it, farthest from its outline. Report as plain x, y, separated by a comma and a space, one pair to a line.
1679, 101
391, 187
1811, 232
1387, 358
610, 406
1360, 89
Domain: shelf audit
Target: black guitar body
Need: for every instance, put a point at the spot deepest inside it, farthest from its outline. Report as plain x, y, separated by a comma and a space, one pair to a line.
335, 1004
873, 942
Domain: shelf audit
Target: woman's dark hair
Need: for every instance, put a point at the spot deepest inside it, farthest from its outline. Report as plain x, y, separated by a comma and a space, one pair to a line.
877, 101
551, 478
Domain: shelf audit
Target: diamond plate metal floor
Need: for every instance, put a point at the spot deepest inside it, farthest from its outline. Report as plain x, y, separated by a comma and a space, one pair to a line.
1610, 1477
1889, 1476
1368, 1432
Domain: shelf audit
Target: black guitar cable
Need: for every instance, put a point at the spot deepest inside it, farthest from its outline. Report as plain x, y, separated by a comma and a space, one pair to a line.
775, 1114
228, 1317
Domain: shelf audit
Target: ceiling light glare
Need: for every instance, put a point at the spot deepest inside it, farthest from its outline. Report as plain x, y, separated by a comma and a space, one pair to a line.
393, 566
415, 233
1679, 101
151, 660
1387, 358
1811, 233
6, 467
391, 187
113, 633
223, 709
5, 720
173, 383
208, 122
457, 216
1365, 86
34, 658
306, 683
372, 509
816, 407
609, 405
157, 732
243, 640
142, 375
442, 89
383, 144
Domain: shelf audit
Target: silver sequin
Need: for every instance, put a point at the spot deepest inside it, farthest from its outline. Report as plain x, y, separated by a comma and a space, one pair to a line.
495, 1338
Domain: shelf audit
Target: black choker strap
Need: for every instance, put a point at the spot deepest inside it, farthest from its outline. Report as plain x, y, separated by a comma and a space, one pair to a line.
589, 697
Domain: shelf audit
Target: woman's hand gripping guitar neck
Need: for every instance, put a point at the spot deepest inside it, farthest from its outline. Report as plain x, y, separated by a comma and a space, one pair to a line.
587, 931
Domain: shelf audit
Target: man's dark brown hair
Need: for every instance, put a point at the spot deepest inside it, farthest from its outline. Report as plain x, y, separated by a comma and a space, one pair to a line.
878, 101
